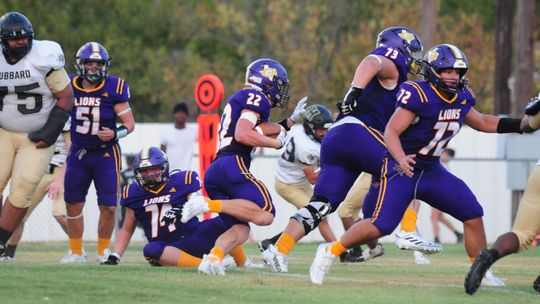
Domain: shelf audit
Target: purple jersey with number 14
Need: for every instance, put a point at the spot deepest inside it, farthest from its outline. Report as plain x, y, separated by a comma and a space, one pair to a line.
437, 120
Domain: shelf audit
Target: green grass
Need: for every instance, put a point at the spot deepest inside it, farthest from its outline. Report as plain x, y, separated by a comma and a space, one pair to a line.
36, 277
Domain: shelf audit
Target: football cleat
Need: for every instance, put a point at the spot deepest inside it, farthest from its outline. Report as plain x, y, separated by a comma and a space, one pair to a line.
71, 258
228, 262
321, 264
420, 258
477, 272
275, 260
101, 259
536, 284
353, 255
413, 241
195, 206
263, 245
369, 253
491, 280
211, 265
252, 265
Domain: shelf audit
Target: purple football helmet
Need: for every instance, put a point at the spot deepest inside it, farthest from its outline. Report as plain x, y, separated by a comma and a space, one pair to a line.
406, 42
442, 57
92, 51
151, 158
271, 78
15, 25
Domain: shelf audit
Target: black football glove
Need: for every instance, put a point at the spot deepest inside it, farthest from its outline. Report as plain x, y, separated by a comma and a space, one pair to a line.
349, 103
170, 216
534, 106
114, 259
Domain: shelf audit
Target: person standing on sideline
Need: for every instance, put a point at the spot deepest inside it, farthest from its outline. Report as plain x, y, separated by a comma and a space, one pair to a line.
179, 140
437, 215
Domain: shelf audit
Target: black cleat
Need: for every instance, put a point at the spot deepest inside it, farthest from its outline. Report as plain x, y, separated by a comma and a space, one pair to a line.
263, 245
536, 284
481, 265
354, 255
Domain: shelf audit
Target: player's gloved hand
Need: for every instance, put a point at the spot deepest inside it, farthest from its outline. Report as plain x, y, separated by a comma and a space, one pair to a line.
282, 137
299, 109
114, 259
170, 216
349, 103
534, 106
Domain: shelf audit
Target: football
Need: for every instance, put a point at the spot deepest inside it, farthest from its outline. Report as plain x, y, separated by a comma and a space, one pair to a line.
270, 129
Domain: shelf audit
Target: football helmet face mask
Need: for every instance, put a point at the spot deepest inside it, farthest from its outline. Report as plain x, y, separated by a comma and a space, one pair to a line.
92, 51
15, 25
145, 163
270, 77
317, 117
442, 57
406, 42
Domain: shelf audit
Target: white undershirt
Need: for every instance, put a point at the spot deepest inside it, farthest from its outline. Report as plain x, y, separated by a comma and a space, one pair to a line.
179, 143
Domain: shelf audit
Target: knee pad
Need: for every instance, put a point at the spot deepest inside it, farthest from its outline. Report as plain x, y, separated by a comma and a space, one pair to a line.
311, 215
152, 252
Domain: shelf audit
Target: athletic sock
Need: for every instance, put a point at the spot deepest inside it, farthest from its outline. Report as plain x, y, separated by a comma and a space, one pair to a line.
102, 244
218, 252
337, 248
10, 250
75, 245
285, 243
408, 222
187, 260
214, 205
239, 256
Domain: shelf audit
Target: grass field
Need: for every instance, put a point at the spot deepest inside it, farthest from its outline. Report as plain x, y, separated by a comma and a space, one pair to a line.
36, 277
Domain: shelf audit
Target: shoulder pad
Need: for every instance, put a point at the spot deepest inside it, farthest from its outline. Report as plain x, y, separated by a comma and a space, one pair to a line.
47, 55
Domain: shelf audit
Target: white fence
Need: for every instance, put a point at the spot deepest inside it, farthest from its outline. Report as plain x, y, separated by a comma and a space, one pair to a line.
487, 179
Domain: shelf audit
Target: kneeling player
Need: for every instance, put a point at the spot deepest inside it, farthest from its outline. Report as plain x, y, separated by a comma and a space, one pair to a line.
155, 192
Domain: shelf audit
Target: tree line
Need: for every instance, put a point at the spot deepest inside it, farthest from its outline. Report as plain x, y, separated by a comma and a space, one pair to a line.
161, 47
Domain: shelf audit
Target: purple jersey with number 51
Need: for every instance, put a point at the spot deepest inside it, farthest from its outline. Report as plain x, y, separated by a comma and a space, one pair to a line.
94, 109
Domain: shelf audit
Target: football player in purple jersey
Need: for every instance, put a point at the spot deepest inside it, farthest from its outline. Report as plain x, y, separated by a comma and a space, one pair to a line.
428, 114
95, 153
354, 144
148, 201
228, 177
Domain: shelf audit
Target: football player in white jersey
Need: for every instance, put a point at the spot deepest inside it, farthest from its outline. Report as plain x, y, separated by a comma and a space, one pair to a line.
298, 166
35, 97
527, 221
51, 184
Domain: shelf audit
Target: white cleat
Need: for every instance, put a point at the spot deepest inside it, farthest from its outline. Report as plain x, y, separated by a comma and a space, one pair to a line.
74, 258
491, 280
100, 259
369, 254
251, 265
211, 265
413, 241
6, 258
196, 205
275, 260
420, 258
321, 264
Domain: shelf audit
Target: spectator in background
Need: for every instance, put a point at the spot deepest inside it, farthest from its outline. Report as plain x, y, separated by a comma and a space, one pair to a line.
437, 215
179, 140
